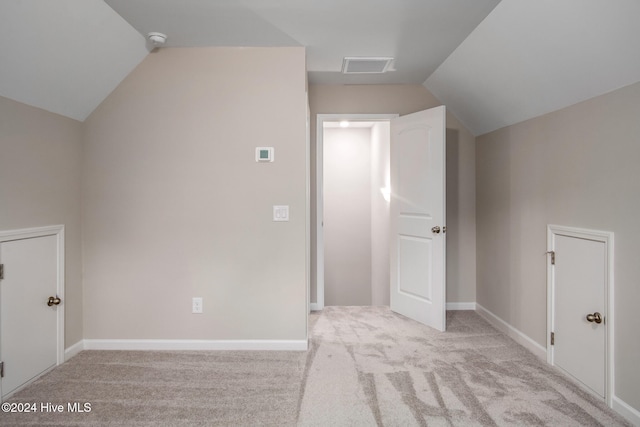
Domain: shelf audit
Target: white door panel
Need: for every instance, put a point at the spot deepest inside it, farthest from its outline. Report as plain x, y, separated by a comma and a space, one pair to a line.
580, 309
417, 254
414, 277
28, 326
580, 277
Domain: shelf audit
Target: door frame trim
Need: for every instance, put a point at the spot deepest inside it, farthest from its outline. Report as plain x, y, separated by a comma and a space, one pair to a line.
320, 119
607, 238
58, 231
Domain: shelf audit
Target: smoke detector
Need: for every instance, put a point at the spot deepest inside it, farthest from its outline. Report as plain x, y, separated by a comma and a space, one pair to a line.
367, 65
157, 39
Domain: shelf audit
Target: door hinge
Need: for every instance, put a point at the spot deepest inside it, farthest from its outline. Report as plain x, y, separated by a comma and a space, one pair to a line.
1, 271
1, 369
553, 257
553, 338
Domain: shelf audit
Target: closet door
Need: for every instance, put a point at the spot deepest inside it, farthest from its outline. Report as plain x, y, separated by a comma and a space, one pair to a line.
28, 309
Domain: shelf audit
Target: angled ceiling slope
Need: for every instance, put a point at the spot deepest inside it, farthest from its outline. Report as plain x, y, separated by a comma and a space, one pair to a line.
64, 56
418, 34
528, 58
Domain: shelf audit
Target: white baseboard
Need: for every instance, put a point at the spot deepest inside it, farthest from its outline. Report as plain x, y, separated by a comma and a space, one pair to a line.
512, 332
452, 306
314, 306
278, 345
624, 409
73, 350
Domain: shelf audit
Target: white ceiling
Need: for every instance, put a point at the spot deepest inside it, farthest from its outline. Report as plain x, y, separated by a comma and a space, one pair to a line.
64, 56
352, 124
525, 59
528, 58
419, 34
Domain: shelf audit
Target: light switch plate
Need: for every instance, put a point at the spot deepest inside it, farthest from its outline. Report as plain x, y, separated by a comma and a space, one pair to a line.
281, 213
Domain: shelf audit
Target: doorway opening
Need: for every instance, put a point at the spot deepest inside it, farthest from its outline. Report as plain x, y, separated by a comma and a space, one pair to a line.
352, 209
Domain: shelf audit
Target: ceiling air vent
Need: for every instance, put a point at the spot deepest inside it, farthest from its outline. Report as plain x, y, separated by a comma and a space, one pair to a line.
366, 65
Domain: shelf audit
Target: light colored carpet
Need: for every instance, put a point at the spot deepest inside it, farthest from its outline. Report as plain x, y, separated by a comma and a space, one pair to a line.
366, 366
160, 388
369, 366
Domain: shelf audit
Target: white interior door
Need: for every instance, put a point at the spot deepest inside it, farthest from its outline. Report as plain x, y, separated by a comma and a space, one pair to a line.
28, 325
580, 309
417, 239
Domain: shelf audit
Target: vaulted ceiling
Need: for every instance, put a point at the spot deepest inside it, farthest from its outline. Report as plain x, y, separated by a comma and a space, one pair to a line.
493, 63
528, 58
64, 56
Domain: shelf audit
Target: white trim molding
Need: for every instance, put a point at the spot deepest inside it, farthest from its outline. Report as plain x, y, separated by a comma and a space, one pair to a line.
626, 410
275, 345
454, 306
28, 233
515, 334
451, 306
71, 351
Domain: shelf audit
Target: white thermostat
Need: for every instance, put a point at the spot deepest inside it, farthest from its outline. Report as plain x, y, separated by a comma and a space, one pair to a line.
264, 154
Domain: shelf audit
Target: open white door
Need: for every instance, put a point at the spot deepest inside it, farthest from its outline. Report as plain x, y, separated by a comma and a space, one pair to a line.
417, 239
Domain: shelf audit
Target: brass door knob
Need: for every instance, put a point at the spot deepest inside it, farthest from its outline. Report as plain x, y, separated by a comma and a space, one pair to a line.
436, 229
595, 317
53, 301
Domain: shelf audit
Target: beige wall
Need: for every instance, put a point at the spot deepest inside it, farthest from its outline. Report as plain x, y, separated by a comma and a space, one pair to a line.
575, 167
40, 156
176, 207
405, 99
347, 216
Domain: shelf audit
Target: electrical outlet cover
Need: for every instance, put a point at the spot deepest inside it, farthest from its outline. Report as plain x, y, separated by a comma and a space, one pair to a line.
196, 306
